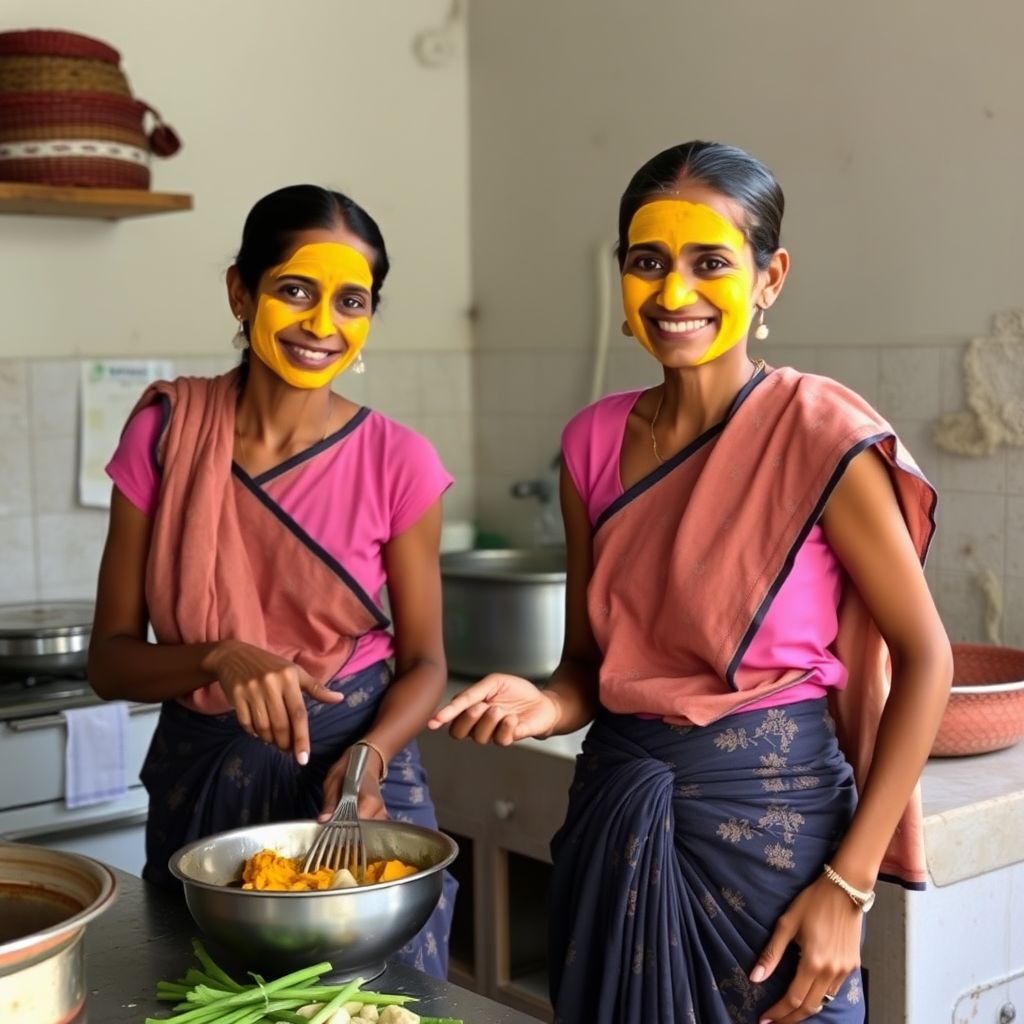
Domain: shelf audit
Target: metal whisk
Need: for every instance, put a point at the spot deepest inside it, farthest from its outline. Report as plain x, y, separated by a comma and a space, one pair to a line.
339, 843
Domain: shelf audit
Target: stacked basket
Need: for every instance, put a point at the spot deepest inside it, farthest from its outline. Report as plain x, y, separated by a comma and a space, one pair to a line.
68, 117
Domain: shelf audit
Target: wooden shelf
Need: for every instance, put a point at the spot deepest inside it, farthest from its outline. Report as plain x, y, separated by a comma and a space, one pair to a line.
100, 203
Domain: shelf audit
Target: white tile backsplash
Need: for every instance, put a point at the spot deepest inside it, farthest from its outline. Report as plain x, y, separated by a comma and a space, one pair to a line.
18, 576
14, 403
980, 517
54, 474
70, 547
910, 382
53, 397
50, 547
16, 474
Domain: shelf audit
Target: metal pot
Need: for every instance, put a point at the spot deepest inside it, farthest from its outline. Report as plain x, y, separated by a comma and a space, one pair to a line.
504, 611
51, 638
46, 900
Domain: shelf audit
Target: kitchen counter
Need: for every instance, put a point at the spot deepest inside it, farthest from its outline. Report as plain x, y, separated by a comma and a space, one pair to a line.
146, 937
963, 798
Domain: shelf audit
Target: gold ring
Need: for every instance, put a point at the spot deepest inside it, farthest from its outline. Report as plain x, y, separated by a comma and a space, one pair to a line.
827, 998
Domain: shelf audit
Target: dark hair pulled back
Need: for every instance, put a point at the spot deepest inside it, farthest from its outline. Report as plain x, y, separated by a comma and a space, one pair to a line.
726, 169
275, 220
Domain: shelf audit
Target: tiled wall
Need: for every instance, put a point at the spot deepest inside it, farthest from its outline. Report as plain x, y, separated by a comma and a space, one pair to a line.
50, 546
524, 397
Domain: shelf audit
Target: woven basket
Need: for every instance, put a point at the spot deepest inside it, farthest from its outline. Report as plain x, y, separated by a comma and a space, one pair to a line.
61, 74
986, 706
68, 117
55, 43
74, 140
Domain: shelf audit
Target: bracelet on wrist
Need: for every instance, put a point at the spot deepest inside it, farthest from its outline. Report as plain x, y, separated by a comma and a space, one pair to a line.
377, 751
863, 900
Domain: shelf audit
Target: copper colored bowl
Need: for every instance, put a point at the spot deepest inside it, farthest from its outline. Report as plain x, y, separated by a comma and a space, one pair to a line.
986, 705
47, 898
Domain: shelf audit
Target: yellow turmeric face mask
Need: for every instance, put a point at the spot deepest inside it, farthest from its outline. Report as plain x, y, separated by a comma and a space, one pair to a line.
713, 272
324, 289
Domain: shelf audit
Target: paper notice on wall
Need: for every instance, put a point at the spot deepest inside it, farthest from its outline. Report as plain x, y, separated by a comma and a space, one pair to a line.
109, 391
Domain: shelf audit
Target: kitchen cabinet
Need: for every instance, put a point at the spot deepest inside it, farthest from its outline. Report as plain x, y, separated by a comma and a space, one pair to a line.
502, 805
954, 953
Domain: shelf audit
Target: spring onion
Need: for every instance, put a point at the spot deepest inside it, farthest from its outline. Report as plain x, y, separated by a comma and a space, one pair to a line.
207, 994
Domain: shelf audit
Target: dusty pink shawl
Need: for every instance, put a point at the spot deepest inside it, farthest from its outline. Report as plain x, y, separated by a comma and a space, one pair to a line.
704, 546
224, 561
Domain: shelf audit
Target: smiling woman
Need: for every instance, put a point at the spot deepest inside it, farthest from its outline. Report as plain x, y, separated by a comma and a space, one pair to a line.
744, 549
255, 520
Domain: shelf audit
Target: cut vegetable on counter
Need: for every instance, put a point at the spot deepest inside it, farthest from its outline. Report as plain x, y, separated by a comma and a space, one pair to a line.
207, 994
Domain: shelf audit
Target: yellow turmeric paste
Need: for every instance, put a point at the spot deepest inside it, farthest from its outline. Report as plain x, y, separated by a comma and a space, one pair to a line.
270, 871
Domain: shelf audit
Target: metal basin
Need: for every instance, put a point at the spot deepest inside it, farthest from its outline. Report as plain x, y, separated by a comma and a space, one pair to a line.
504, 611
47, 898
278, 932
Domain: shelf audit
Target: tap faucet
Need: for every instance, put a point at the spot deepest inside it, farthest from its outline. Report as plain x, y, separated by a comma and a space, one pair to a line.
548, 523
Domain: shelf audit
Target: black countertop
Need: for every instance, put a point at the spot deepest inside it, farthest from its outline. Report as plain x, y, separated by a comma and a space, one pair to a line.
146, 937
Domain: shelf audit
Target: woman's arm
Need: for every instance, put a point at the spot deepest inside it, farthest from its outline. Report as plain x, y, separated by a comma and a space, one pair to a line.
865, 528
502, 708
412, 565
265, 689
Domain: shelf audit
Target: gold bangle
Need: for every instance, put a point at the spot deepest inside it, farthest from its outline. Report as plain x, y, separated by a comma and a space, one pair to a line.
377, 751
863, 900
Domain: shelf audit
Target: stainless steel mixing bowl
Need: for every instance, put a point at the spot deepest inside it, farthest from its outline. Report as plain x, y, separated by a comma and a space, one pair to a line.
278, 932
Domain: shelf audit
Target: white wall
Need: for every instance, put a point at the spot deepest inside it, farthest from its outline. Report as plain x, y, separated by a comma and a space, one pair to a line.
896, 128
262, 95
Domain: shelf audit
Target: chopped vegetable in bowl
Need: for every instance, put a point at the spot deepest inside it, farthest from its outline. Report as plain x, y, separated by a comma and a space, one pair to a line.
269, 871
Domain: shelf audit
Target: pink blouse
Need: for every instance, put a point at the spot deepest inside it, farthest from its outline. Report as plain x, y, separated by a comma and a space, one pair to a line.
371, 481
801, 623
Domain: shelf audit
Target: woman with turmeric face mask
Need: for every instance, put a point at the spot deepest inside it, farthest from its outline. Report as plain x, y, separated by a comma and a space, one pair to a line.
748, 633
256, 518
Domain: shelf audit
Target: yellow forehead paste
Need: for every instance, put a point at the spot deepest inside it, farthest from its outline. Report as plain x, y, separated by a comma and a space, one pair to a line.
675, 224
328, 267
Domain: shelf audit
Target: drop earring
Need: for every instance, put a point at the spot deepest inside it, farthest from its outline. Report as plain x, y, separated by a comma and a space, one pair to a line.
240, 341
358, 366
762, 328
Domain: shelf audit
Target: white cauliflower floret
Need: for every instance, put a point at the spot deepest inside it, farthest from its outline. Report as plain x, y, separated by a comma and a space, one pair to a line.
343, 879
310, 1009
369, 1012
340, 1016
397, 1015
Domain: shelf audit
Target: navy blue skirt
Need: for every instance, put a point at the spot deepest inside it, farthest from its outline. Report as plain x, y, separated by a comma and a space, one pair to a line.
204, 775
682, 846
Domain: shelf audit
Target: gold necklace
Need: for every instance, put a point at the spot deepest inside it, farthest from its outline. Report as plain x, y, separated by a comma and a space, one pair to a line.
758, 367
241, 440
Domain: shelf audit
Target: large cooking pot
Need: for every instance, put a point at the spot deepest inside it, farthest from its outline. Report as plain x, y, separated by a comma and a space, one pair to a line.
46, 639
47, 898
504, 611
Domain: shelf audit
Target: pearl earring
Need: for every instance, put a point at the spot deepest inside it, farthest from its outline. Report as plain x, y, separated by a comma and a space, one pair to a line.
358, 366
762, 328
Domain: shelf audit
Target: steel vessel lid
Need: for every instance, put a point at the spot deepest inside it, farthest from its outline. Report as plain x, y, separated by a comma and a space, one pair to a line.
47, 618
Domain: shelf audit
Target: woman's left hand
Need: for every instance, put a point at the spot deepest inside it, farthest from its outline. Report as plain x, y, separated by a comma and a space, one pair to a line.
371, 803
826, 925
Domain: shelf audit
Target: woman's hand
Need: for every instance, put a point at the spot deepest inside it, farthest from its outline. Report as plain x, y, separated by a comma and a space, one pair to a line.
371, 803
825, 923
266, 691
499, 709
